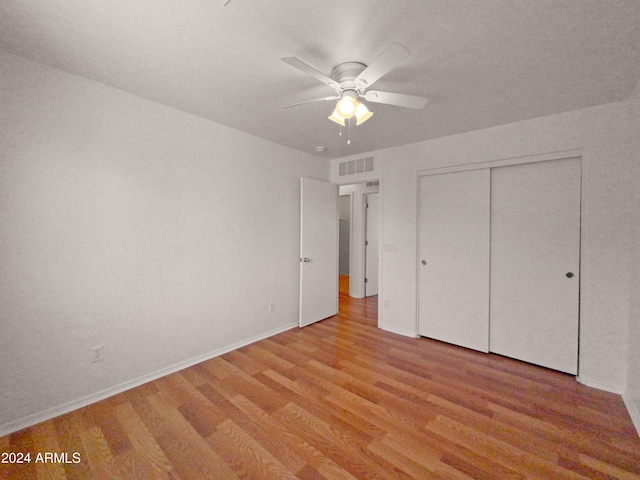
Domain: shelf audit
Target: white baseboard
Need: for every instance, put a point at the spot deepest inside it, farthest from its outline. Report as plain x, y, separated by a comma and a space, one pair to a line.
633, 409
50, 413
397, 331
599, 386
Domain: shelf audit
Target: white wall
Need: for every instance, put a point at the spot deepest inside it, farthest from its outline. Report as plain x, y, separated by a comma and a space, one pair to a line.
132, 225
632, 394
602, 135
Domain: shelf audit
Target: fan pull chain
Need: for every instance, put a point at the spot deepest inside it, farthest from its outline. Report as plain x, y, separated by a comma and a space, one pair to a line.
348, 125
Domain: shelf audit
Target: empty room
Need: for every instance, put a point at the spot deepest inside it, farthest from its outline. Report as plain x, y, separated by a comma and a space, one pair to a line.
319, 239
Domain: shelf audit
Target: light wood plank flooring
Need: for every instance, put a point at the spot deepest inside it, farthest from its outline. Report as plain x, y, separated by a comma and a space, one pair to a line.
343, 399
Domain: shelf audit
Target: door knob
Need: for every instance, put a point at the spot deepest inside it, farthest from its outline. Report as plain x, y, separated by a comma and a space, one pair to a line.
306, 260
569, 275
424, 262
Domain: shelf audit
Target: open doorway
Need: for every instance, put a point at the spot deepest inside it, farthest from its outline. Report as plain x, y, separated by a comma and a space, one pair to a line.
357, 260
344, 212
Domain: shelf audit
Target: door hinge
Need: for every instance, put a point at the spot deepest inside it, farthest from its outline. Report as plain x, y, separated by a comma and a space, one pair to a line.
366, 280
366, 242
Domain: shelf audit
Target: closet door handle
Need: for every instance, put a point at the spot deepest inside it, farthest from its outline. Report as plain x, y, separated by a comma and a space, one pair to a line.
569, 274
424, 262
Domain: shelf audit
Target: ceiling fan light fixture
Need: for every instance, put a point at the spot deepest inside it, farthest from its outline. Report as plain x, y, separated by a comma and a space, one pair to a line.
350, 81
346, 106
362, 113
335, 117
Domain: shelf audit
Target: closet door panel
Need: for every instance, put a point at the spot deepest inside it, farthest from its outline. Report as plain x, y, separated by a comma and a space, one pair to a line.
453, 268
535, 261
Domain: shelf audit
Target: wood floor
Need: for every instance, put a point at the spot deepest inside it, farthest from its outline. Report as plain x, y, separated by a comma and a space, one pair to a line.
343, 399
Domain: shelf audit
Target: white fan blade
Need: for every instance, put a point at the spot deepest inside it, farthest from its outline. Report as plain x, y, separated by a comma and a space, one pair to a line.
397, 99
393, 56
335, 97
303, 67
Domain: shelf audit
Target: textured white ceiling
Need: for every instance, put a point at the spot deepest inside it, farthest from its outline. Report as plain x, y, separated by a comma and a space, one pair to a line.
480, 63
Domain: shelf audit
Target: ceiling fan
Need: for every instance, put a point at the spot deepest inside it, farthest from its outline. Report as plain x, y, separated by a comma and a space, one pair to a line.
351, 80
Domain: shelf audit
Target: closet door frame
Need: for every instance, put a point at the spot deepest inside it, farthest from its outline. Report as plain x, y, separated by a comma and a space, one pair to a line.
503, 162
560, 155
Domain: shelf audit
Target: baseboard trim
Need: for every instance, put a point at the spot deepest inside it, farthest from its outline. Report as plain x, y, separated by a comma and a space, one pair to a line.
53, 412
599, 386
397, 331
633, 409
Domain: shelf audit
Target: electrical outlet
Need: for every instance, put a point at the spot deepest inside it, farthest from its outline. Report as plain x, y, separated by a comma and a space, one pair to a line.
98, 353
272, 307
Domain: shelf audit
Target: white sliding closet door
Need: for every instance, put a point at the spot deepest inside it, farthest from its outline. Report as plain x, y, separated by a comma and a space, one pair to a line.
535, 262
454, 258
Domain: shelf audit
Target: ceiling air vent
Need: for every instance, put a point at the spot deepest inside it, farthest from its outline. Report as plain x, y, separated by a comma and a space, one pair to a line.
352, 167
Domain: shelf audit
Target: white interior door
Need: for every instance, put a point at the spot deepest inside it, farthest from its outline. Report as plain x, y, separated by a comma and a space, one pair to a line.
318, 250
371, 246
454, 258
535, 261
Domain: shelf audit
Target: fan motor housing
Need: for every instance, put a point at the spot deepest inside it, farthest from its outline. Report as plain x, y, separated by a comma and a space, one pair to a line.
346, 73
